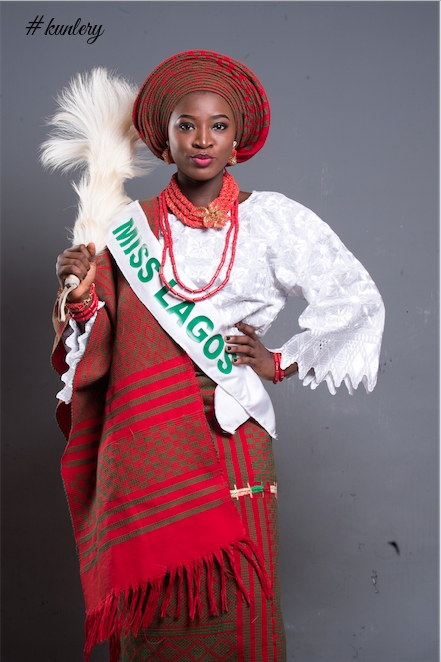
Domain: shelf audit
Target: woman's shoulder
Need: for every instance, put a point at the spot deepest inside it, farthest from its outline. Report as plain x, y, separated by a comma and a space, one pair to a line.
280, 208
273, 200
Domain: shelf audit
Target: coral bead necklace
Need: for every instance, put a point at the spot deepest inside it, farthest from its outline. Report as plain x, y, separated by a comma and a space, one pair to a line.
215, 215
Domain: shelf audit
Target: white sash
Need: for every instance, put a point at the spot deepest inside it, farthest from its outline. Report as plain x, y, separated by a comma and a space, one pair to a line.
196, 326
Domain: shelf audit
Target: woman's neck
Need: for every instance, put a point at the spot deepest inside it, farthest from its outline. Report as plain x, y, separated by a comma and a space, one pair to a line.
200, 193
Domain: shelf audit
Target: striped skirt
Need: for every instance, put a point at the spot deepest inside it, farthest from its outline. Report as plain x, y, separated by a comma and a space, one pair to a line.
246, 633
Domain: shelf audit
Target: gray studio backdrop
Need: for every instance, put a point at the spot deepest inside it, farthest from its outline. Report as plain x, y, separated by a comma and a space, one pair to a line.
354, 136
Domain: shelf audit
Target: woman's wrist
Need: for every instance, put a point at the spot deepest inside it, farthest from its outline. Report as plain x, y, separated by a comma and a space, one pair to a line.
291, 369
74, 298
279, 372
85, 307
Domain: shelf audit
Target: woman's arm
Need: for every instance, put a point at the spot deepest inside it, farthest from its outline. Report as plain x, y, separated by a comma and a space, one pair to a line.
343, 322
78, 261
72, 337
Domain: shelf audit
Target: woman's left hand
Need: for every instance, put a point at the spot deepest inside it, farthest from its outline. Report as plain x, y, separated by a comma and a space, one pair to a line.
253, 352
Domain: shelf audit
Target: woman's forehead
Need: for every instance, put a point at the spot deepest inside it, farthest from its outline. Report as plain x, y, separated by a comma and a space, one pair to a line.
203, 102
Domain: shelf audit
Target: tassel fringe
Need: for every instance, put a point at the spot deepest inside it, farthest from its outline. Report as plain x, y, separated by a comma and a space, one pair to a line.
135, 609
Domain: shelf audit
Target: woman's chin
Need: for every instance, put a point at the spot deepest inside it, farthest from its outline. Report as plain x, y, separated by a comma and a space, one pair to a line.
200, 174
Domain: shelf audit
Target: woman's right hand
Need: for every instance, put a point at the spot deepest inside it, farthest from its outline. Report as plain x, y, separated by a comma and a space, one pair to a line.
79, 261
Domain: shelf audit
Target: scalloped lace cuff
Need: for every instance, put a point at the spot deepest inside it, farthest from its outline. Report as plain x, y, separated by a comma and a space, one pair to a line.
334, 358
76, 344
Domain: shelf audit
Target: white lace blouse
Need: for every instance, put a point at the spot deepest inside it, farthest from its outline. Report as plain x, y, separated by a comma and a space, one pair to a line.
283, 249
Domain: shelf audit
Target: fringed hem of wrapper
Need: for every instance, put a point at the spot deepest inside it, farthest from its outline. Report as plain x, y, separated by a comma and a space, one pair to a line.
133, 609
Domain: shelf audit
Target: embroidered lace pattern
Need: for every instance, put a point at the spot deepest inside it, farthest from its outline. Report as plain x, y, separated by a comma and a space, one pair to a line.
75, 343
283, 250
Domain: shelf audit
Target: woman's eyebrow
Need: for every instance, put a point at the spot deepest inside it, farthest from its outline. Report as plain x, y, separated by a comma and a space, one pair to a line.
192, 117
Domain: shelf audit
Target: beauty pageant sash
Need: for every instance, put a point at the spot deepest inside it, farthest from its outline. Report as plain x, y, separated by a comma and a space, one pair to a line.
195, 326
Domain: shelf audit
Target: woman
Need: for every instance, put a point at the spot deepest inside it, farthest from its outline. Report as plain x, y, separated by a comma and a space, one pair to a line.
170, 478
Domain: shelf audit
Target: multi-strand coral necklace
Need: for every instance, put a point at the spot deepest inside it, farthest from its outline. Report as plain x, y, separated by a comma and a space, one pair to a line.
216, 215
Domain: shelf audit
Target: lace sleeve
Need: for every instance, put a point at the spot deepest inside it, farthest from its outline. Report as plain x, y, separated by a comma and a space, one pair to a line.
343, 322
75, 343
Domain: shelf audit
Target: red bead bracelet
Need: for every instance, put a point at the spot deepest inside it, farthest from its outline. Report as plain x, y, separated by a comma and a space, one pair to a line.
279, 374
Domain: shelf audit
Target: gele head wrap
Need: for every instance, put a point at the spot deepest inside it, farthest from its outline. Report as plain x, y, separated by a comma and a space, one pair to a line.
193, 71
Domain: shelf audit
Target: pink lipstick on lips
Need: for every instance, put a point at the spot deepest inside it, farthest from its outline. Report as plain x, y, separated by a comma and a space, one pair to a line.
202, 160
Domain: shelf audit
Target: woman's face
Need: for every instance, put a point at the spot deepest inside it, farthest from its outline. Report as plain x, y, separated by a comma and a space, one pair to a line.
201, 132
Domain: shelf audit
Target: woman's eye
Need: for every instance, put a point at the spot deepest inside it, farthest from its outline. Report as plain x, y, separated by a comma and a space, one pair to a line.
186, 126
220, 126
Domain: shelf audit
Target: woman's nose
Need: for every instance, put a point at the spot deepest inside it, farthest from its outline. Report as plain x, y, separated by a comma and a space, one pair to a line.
202, 137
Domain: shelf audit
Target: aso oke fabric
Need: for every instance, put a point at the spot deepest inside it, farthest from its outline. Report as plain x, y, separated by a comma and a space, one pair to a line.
150, 503
200, 70
245, 633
